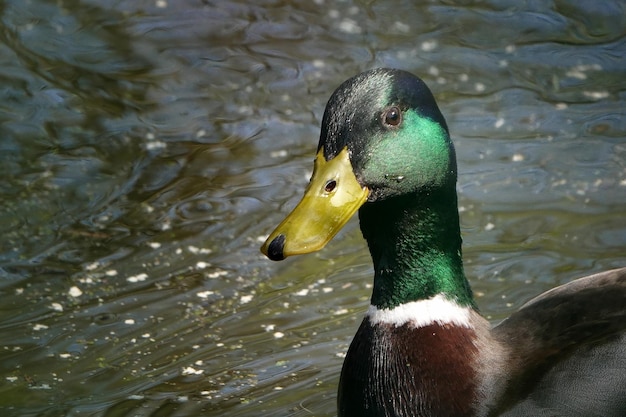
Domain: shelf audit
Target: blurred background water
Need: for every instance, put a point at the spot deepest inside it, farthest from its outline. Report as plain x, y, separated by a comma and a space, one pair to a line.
148, 147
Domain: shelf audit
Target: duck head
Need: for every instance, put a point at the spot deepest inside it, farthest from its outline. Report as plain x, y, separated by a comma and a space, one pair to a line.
382, 136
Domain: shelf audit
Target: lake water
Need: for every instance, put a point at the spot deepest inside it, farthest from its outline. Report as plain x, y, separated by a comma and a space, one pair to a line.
147, 148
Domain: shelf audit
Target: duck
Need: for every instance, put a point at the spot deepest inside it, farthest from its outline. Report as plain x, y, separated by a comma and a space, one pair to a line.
423, 349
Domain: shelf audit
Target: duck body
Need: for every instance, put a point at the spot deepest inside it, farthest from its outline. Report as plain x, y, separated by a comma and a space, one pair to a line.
562, 354
423, 349
407, 362
566, 351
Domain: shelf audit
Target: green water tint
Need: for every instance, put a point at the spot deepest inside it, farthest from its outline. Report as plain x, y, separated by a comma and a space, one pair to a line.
146, 150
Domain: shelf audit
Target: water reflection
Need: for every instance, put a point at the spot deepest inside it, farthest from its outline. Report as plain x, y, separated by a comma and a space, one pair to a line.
146, 148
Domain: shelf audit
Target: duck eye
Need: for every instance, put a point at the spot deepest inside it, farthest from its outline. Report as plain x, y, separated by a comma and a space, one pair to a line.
392, 116
330, 186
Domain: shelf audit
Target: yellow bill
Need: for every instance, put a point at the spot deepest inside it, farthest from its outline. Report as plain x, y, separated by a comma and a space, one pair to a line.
331, 198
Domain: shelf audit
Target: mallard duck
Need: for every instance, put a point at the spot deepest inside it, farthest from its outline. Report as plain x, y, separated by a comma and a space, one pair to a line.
423, 349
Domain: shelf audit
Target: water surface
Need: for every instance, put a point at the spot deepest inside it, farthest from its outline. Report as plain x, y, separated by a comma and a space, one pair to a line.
148, 147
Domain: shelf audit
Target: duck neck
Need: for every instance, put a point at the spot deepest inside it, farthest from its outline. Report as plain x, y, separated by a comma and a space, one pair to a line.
415, 243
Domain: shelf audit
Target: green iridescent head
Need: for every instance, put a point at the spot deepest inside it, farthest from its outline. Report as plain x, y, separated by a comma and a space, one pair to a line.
397, 138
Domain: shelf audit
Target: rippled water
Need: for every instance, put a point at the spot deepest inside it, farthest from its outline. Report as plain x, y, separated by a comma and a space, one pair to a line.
147, 148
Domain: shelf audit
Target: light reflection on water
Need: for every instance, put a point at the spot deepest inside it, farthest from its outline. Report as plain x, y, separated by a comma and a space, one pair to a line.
148, 147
